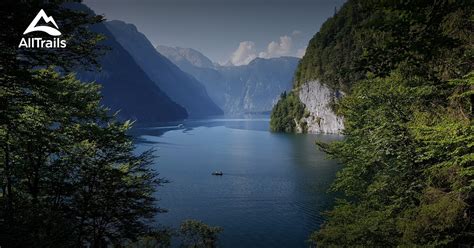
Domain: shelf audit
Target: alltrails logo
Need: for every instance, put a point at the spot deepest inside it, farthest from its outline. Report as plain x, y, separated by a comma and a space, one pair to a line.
40, 42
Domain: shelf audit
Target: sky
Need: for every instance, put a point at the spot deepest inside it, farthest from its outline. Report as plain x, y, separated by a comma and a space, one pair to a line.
225, 30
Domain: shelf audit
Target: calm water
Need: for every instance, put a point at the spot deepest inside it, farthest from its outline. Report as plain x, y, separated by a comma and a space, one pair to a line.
273, 189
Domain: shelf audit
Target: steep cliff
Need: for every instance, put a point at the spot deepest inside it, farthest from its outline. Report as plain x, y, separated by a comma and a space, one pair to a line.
183, 88
319, 118
252, 88
255, 87
331, 64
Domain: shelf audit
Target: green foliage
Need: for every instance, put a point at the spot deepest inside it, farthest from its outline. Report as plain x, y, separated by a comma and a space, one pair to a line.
198, 235
191, 233
436, 222
361, 228
287, 113
156, 239
409, 140
409, 168
69, 176
332, 53
377, 36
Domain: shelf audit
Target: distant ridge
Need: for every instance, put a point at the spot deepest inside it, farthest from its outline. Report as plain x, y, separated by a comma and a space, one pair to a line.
252, 88
180, 86
125, 87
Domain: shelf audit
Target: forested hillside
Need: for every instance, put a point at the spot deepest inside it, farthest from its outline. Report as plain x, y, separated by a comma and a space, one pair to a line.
408, 150
333, 59
332, 55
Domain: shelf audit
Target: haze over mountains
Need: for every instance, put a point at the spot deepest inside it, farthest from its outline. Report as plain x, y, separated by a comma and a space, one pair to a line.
167, 84
185, 57
181, 87
252, 88
125, 86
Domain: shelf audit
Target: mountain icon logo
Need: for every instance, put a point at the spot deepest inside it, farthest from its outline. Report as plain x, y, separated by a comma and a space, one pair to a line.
48, 19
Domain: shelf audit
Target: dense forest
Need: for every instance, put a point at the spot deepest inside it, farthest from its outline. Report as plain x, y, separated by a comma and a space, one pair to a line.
69, 176
333, 54
408, 147
285, 112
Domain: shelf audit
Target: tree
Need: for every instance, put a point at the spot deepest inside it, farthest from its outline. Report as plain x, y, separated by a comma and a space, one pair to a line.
68, 174
159, 238
76, 178
16, 72
197, 234
288, 111
407, 150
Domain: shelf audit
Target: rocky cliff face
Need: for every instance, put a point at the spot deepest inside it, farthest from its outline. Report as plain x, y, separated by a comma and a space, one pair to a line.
252, 88
256, 87
321, 119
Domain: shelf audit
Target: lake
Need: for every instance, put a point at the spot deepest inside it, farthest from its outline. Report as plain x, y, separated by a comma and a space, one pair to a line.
273, 189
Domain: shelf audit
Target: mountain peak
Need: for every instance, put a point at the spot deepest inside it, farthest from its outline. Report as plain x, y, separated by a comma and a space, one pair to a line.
183, 88
251, 88
193, 56
122, 24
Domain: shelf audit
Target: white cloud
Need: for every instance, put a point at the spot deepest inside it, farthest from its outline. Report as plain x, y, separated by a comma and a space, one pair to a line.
301, 52
245, 53
278, 49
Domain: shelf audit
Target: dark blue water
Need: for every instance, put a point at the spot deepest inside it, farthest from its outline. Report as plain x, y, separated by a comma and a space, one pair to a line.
273, 189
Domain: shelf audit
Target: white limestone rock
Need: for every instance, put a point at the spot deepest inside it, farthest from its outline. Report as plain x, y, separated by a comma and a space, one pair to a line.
322, 119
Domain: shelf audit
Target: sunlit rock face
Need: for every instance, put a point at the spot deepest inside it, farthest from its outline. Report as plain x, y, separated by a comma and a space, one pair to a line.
317, 99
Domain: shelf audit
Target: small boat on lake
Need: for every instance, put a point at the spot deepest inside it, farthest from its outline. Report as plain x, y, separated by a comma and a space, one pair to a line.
217, 173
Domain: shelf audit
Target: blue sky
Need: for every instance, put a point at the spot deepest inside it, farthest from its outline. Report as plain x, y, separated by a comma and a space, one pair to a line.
223, 30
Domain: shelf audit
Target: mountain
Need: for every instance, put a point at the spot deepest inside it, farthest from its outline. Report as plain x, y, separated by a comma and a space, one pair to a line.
183, 57
180, 86
322, 79
125, 86
318, 99
256, 87
250, 88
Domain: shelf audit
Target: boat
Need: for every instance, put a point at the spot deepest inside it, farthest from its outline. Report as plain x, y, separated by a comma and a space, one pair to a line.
217, 173
180, 126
